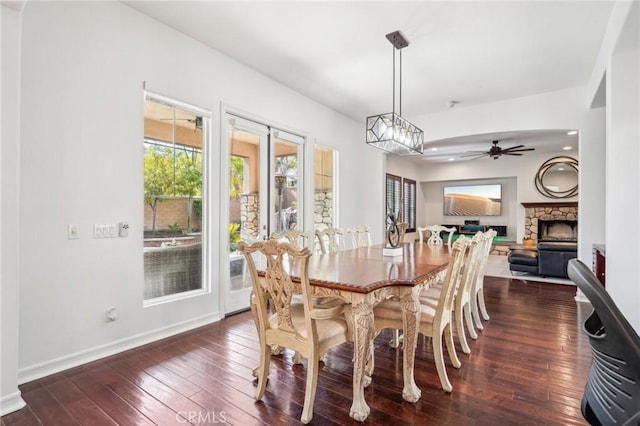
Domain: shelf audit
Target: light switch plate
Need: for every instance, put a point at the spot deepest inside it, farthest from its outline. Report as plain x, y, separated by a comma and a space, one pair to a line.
73, 231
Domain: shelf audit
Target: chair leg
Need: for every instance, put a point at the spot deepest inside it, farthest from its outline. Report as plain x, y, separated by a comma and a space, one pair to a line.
297, 358
263, 370
439, 358
469, 321
483, 308
254, 313
395, 340
310, 390
475, 312
460, 329
451, 347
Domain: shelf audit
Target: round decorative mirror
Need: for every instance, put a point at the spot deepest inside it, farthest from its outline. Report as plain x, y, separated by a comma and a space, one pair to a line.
558, 177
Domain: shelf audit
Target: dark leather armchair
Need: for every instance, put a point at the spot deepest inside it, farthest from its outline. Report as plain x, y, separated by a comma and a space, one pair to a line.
554, 256
612, 393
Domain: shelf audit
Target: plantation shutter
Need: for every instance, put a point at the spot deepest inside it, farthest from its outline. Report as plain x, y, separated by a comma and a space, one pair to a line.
394, 188
409, 204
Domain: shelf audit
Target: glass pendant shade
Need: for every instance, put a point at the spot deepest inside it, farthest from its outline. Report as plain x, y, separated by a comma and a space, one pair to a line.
394, 134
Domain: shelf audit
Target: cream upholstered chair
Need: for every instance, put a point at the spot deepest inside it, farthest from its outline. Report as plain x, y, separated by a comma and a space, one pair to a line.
478, 307
360, 236
435, 322
462, 304
331, 240
298, 239
303, 327
434, 234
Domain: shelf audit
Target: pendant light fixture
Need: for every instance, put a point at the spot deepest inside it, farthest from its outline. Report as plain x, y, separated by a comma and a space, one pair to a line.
390, 132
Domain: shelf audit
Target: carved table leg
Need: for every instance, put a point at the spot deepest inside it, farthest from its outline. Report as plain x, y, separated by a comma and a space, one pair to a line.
363, 333
410, 304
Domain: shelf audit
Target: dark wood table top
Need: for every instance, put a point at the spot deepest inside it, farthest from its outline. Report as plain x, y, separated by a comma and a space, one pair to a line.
365, 269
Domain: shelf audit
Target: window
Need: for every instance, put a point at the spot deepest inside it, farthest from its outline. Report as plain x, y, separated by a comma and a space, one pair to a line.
173, 188
401, 199
409, 203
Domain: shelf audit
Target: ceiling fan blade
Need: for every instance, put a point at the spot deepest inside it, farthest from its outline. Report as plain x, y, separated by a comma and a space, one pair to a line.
520, 150
513, 147
472, 153
510, 153
476, 157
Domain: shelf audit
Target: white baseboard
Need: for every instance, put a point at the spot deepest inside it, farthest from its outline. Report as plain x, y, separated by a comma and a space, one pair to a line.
11, 403
47, 368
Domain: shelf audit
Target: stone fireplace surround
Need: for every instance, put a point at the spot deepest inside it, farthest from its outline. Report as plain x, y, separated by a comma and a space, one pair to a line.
563, 210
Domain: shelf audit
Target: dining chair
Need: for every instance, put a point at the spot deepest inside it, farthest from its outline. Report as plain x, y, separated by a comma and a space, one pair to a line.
435, 321
360, 236
478, 307
462, 295
296, 238
434, 234
304, 327
402, 230
331, 240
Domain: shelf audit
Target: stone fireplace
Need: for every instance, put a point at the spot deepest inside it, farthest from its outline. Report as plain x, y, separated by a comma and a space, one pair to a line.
562, 215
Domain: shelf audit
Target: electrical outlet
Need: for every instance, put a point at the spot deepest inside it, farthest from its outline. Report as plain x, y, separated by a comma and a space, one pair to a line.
123, 229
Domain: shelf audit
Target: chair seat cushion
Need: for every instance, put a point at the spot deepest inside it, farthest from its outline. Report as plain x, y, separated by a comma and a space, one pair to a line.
390, 309
327, 328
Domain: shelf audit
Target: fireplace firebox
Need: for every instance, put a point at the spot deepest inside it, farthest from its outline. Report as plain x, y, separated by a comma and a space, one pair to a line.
557, 230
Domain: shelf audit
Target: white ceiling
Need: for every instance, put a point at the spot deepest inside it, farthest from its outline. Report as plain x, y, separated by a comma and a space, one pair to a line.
471, 52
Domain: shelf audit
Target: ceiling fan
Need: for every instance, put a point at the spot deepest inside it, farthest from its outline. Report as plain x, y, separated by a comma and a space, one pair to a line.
197, 121
496, 152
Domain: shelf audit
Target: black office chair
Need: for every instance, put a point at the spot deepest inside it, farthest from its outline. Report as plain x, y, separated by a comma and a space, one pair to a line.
612, 393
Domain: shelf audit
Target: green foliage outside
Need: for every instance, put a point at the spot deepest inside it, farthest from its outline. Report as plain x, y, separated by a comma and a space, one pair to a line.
234, 236
236, 176
171, 173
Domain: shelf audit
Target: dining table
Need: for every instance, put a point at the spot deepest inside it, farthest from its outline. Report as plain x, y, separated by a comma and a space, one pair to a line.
363, 277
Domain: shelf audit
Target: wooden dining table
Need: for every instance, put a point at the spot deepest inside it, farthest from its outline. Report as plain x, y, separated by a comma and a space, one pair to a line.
363, 277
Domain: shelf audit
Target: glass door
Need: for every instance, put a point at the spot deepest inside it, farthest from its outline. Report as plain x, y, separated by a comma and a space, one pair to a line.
285, 173
248, 208
265, 183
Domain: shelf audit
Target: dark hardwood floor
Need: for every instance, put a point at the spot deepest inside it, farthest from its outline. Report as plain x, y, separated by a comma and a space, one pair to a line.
528, 366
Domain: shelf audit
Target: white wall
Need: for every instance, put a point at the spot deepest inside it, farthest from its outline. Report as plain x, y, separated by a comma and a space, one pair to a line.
83, 68
10, 399
618, 67
623, 183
